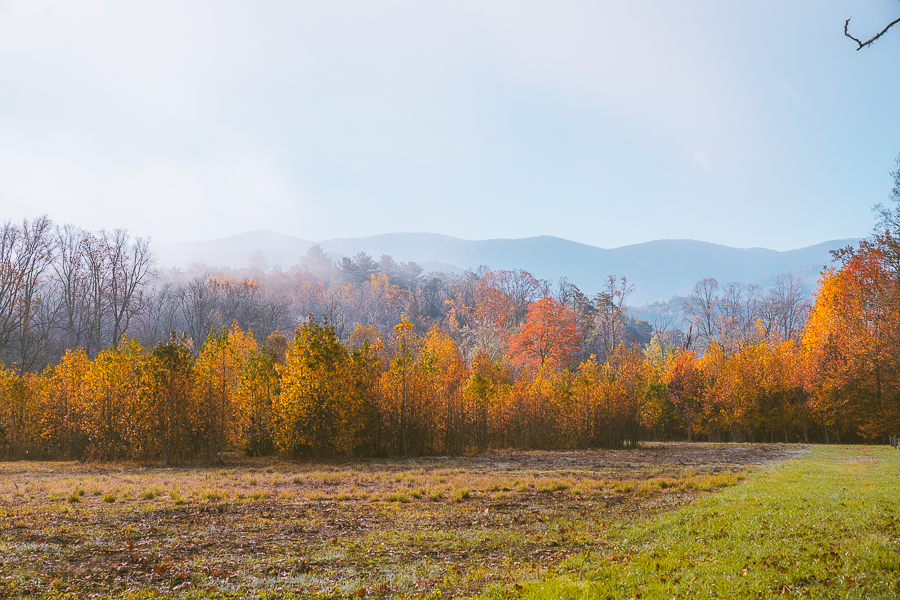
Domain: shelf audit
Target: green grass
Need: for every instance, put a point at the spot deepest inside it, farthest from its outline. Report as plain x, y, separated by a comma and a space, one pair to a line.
822, 526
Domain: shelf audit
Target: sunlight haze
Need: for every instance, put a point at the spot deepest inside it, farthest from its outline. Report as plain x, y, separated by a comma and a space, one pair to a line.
745, 124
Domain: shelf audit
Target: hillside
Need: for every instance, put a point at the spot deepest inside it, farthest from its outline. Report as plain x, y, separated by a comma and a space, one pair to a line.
659, 269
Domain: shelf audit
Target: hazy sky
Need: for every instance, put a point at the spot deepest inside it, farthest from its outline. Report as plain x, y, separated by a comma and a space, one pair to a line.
608, 123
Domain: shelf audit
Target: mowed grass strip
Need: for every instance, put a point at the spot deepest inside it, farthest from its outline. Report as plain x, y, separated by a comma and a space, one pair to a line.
822, 526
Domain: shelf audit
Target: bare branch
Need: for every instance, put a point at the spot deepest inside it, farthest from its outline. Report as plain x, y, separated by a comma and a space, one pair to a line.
862, 44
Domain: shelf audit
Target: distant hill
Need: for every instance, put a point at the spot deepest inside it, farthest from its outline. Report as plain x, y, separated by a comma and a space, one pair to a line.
659, 270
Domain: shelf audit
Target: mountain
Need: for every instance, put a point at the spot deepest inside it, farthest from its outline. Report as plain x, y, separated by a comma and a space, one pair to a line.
659, 269
234, 251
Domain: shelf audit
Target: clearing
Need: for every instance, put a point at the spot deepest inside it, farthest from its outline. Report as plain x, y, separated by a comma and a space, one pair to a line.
426, 527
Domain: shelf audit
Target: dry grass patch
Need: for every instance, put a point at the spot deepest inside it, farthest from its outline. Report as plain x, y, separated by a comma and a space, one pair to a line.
388, 528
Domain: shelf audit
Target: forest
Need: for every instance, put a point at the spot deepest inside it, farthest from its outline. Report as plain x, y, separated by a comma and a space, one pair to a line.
108, 358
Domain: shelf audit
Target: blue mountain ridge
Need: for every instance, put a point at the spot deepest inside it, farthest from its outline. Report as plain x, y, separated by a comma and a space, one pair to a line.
659, 269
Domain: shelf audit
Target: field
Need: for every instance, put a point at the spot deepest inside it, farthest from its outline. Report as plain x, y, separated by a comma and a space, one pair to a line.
539, 524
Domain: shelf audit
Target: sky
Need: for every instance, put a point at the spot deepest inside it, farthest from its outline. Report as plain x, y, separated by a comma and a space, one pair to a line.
750, 124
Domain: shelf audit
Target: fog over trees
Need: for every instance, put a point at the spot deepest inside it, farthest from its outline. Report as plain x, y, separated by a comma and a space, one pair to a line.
62, 288
107, 357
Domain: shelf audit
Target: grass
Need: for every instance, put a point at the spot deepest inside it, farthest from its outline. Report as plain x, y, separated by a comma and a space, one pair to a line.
824, 526
430, 527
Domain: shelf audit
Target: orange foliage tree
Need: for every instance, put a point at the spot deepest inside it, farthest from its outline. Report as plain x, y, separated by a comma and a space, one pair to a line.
851, 341
548, 338
686, 387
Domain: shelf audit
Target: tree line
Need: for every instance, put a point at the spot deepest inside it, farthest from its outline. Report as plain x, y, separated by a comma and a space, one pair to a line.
107, 358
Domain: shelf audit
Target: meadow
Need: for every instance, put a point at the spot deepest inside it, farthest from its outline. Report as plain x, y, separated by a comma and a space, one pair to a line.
657, 521
395, 528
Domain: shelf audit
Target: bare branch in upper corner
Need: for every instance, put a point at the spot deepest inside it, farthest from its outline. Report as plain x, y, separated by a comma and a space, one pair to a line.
868, 42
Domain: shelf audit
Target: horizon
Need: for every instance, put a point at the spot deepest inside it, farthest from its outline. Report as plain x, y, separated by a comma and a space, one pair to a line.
659, 269
431, 233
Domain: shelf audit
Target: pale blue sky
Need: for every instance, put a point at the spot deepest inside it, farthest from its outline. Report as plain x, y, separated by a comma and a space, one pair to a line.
608, 123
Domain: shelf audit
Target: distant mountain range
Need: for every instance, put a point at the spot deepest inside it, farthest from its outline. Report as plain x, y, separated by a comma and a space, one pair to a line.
659, 270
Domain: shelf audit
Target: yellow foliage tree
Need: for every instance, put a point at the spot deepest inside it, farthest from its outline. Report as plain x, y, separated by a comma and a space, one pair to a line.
113, 400
408, 415
167, 411
217, 376
20, 414
259, 387
315, 409
65, 400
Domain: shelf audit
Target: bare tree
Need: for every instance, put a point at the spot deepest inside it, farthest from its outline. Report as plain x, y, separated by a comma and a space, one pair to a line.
785, 307
161, 316
585, 311
198, 307
25, 253
738, 312
520, 286
96, 301
610, 321
70, 283
131, 271
702, 310
886, 236
667, 336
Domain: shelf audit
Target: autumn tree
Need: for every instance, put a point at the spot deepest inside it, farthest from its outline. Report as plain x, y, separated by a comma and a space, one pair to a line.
446, 373
517, 287
548, 336
541, 400
851, 341
65, 401
314, 408
658, 414
487, 310
783, 406
406, 407
259, 387
607, 401
486, 384
167, 410
114, 400
366, 422
217, 376
686, 390
21, 414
